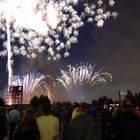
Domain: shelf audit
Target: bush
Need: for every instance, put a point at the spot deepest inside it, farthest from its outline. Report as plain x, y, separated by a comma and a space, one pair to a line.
34, 101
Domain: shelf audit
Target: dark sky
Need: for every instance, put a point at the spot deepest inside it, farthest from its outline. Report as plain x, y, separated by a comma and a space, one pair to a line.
116, 47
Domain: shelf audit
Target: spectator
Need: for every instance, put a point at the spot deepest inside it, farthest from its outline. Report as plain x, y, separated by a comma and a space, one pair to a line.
126, 126
106, 120
82, 126
115, 112
27, 129
65, 117
75, 111
92, 112
13, 118
3, 124
137, 111
48, 125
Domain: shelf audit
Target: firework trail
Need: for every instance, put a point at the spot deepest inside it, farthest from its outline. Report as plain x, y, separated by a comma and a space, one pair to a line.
36, 26
31, 82
76, 76
10, 54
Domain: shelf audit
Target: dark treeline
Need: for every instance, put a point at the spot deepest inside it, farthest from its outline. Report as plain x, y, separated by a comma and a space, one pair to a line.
44, 100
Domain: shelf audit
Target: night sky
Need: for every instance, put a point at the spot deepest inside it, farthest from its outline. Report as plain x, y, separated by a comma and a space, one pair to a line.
116, 47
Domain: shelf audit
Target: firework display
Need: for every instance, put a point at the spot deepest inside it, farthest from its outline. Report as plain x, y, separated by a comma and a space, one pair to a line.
79, 75
33, 83
48, 25
51, 27
29, 27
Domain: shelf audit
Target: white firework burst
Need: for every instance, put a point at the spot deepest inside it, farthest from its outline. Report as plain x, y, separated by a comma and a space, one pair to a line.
29, 27
44, 25
33, 83
80, 75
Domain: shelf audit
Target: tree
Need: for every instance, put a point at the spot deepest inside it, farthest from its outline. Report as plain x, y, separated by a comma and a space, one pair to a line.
103, 100
44, 100
34, 101
41, 101
94, 103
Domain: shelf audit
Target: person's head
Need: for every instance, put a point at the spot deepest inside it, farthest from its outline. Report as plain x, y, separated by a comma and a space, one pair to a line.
126, 104
76, 105
84, 107
29, 116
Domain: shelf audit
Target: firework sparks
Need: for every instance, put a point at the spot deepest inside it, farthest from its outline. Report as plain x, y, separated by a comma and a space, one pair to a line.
76, 76
31, 82
10, 101
55, 23
46, 25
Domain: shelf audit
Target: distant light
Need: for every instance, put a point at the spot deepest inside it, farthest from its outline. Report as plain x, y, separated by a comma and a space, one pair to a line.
10, 101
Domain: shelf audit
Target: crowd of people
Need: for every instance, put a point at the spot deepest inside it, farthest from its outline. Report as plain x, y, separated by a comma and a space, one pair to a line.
70, 122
